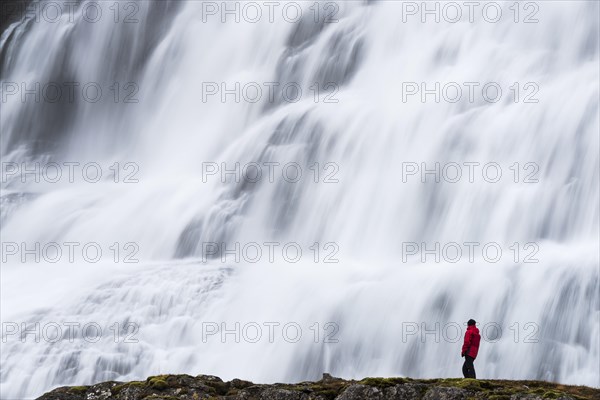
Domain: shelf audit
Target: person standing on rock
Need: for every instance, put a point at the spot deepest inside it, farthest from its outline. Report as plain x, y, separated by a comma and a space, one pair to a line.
470, 348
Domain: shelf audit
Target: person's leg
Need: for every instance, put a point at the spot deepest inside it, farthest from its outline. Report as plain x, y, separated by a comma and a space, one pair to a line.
470, 368
465, 368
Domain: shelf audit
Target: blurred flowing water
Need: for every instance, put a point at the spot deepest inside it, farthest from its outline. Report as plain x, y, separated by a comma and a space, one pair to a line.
540, 320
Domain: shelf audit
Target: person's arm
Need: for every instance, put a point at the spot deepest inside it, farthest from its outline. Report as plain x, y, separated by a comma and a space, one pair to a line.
466, 344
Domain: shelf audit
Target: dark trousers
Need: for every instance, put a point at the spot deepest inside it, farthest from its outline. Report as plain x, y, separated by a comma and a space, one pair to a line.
469, 368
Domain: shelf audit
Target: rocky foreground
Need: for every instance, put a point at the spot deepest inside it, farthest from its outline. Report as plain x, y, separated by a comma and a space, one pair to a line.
185, 387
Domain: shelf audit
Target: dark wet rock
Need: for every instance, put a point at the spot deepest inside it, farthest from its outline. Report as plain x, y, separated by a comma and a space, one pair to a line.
339, 56
184, 387
11, 11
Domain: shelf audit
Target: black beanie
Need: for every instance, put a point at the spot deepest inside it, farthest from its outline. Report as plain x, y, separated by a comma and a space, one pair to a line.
471, 322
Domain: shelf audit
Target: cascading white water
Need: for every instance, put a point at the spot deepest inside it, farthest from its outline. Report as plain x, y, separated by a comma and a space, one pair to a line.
377, 294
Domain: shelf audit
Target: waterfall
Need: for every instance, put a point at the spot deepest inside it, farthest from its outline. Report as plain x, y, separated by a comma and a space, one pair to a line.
273, 190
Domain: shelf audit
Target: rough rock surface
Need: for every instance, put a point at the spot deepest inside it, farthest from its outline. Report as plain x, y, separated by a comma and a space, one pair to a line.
185, 387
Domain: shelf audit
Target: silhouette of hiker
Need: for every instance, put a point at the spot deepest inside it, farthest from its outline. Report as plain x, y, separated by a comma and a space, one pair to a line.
470, 349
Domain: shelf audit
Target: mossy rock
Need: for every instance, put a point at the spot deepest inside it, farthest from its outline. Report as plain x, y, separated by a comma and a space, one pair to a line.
499, 397
383, 382
158, 384
179, 387
118, 388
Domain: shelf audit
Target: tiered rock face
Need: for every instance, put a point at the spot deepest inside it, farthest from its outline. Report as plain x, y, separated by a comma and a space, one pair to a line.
185, 387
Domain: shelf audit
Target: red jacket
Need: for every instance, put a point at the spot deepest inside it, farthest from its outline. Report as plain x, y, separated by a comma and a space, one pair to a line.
471, 344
